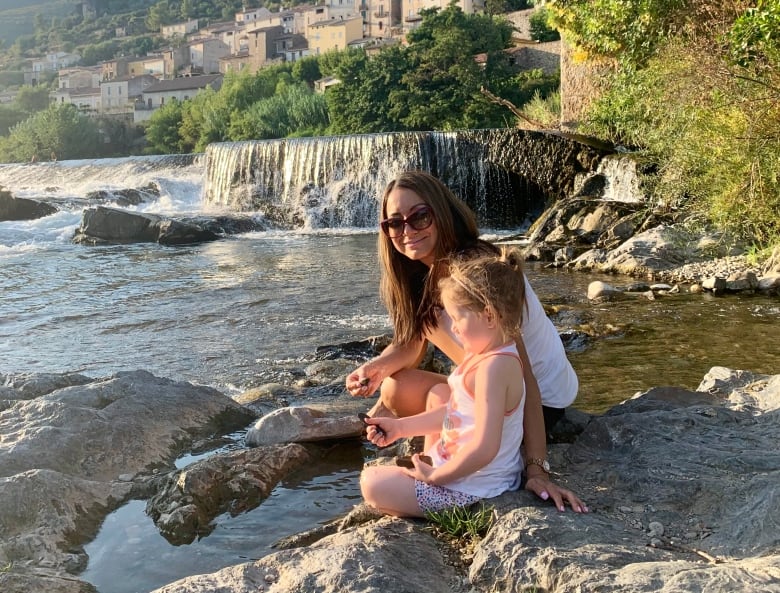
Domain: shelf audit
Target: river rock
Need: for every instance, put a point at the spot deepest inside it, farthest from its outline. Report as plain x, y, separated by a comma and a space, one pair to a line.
769, 283
601, 291
12, 208
301, 425
233, 482
388, 555
112, 225
125, 196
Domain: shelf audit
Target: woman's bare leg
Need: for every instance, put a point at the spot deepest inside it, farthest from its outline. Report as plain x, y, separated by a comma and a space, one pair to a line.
405, 393
389, 490
438, 396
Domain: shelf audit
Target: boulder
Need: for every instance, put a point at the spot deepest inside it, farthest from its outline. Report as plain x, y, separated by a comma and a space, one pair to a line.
233, 482
112, 225
12, 208
68, 452
301, 425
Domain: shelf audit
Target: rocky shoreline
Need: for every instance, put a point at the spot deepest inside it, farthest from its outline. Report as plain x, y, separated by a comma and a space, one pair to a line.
682, 486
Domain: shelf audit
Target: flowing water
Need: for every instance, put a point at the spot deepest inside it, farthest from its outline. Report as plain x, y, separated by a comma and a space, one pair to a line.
238, 312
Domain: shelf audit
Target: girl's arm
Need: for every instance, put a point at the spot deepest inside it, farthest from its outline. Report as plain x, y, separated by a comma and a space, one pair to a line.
492, 386
393, 429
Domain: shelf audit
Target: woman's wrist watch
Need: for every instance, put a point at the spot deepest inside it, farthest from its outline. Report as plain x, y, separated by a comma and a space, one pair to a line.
543, 463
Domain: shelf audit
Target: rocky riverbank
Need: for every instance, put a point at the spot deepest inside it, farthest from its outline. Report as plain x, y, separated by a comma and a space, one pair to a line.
682, 487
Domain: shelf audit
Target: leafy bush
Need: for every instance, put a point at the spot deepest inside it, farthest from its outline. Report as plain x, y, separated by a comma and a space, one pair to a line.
696, 93
540, 26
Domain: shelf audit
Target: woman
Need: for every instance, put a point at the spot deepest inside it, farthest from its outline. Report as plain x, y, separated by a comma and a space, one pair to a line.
423, 225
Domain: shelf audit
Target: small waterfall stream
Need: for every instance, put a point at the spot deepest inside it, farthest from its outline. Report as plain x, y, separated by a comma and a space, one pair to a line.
335, 181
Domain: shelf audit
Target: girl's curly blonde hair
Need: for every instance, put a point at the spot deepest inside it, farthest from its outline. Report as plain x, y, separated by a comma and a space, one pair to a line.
495, 282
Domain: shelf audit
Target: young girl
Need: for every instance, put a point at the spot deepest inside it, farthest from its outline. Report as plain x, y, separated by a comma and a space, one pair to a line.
474, 449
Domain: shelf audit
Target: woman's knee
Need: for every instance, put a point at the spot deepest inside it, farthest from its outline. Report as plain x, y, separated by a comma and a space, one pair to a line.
438, 396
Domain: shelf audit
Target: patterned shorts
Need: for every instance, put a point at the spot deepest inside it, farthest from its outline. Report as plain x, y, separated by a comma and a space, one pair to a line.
435, 498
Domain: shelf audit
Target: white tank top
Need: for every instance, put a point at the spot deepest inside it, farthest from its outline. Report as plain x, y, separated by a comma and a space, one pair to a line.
556, 377
503, 472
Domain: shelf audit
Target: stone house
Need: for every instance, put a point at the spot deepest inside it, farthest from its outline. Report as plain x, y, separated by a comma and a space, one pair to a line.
410, 9
334, 34
179, 29
79, 77
118, 95
86, 99
259, 48
380, 17
205, 54
175, 61
182, 89
292, 47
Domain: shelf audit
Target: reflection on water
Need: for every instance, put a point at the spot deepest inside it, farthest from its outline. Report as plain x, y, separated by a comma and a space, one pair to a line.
130, 556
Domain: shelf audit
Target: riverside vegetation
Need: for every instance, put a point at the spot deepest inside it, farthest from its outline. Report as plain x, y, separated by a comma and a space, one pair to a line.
692, 89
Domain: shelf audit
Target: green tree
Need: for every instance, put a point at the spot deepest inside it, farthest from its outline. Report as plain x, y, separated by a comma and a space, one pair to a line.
10, 116
360, 102
540, 26
60, 129
630, 31
160, 14
162, 133
294, 110
32, 98
307, 70
443, 78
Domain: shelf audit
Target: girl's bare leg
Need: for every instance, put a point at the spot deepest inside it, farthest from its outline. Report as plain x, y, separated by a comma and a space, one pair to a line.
389, 490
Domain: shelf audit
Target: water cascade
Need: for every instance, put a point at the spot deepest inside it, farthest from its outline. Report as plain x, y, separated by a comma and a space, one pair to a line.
336, 181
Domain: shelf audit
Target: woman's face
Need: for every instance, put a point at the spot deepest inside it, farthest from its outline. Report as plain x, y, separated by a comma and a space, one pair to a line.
416, 245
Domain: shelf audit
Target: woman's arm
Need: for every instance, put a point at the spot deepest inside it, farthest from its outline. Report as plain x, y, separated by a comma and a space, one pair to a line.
535, 443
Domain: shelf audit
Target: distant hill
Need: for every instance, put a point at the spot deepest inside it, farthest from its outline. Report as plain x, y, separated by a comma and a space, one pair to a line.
16, 16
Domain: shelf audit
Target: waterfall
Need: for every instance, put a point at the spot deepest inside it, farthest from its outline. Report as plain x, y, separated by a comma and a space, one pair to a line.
337, 181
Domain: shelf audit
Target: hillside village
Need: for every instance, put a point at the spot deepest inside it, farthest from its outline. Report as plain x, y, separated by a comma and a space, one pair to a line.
131, 88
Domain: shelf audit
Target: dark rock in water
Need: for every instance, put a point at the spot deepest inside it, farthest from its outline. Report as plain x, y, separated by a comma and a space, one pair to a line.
103, 225
233, 482
228, 225
12, 208
126, 196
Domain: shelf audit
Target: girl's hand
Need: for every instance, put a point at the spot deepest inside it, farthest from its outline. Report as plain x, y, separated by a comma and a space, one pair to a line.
363, 381
382, 430
546, 489
421, 471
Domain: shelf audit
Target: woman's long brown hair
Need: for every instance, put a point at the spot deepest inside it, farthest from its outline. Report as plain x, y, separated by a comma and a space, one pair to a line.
409, 289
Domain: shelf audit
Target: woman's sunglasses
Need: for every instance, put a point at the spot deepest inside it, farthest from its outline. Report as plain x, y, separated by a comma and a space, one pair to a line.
419, 220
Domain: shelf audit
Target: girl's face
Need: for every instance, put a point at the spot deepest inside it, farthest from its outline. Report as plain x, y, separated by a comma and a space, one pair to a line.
417, 245
476, 330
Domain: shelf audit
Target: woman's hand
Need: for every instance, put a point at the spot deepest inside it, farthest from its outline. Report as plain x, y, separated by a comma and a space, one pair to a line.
364, 380
546, 489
